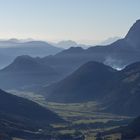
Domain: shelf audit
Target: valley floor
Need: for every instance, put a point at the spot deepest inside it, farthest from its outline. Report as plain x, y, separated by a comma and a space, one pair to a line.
86, 118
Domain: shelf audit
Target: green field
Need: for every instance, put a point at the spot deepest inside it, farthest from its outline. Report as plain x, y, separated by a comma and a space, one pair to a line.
87, 118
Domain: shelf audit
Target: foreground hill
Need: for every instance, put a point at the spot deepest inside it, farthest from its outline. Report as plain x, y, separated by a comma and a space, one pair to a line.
12, 105
23, 118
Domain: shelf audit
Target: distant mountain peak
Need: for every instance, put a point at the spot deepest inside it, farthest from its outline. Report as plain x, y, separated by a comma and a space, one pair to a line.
22, 63
110, 40
23, 58
66, 44
26, 63
14, 40
87, 83
93, 66
133, 36
73, 50
76, 48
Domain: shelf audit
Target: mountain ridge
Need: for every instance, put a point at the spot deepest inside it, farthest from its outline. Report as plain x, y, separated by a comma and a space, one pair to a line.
117, 91
24, 108
118, 54
10, 49
83, 84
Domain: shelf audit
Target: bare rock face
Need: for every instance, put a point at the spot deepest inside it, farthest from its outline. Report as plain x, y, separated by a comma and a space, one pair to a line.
133, 36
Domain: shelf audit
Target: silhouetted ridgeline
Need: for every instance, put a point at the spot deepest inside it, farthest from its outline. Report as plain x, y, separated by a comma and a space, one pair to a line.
117, 55
118, 91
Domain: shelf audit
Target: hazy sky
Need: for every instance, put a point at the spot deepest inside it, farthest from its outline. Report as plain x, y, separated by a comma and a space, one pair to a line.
85, 21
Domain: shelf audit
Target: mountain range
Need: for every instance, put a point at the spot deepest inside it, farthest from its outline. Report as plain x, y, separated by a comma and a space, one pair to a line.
74, 75
69, 43
117, 55
62, 82
26, 71
117, 91
109, 40
10, 49
82, 85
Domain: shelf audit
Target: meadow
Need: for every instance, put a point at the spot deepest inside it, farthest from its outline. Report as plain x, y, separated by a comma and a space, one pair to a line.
86, 118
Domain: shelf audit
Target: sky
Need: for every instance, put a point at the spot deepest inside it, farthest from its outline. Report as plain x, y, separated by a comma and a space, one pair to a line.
84, 21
